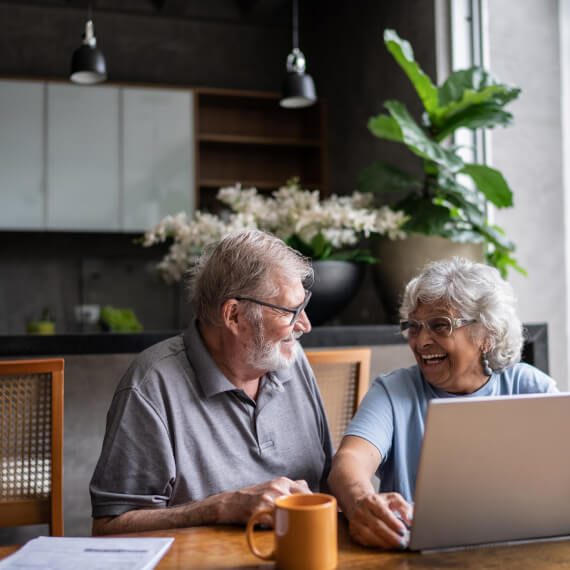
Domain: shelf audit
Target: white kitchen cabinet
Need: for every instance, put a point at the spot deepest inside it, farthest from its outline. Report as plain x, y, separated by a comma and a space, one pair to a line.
21, 155
158, 155
82, 152
93, 158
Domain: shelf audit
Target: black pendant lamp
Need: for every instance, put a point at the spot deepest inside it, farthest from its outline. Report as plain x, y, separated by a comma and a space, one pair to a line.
298, 86
88, 62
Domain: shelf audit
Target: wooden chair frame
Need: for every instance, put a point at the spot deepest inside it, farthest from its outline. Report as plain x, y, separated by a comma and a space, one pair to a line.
358, 356
25, 511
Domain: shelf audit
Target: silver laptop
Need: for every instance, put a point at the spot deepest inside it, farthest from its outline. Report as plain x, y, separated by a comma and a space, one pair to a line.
493, 470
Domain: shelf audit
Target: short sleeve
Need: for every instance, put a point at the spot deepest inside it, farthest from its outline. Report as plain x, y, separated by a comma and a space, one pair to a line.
374, 419
524, 378
136, 468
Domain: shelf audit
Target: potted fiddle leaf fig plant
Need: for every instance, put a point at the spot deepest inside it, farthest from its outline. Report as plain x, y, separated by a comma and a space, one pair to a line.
448, 200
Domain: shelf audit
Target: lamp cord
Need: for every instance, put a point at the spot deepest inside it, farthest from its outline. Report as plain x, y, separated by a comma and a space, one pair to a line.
295, 25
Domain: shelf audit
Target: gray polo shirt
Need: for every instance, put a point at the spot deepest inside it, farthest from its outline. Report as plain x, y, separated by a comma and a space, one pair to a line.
178, 430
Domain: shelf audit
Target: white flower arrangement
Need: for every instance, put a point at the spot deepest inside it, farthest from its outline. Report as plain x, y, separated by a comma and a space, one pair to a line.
320, 229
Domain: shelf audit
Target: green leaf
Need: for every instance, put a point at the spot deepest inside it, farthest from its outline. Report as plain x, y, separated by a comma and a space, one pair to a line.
318, 249
383, 177
491, 184
120, 320
300, 245
417, 140
458, 195
462, 235
478, 80
468, 87
496, 236
385, 127
354, 255
469, 211
502, 260
425, 217
403, 53
486, 115
321, 248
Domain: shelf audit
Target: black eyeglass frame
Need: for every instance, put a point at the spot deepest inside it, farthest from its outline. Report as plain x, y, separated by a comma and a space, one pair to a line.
296, 312
454, 323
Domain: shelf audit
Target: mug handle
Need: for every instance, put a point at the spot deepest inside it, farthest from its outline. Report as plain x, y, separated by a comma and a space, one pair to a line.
249, 533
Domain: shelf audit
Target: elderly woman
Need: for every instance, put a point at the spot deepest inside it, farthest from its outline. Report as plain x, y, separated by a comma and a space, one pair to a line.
460, 321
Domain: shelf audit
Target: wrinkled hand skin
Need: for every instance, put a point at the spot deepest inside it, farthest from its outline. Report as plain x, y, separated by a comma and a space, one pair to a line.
248, 500
373, 522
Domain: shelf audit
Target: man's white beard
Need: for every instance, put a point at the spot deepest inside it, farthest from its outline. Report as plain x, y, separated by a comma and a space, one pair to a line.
268, 356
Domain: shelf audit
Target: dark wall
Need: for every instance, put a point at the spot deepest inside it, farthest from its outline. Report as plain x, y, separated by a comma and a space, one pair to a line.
237, 44
214, 43
356, 74
57, 271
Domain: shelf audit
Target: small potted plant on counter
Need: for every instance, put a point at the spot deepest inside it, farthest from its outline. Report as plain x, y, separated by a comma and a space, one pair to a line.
115, 320
44, 325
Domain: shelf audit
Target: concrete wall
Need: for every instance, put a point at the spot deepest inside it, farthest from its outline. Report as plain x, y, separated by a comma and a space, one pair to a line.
564, 20
523, 38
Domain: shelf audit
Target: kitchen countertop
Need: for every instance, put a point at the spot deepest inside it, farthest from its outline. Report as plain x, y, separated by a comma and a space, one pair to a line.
535, 350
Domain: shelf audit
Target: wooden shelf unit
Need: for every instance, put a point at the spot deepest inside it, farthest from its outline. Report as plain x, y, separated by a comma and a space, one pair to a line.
246, 137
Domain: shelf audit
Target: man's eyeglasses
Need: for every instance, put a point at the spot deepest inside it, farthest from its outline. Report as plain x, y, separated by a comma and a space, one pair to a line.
295, 312
439, 326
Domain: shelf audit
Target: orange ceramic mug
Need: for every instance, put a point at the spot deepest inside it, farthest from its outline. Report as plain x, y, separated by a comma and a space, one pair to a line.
305, 532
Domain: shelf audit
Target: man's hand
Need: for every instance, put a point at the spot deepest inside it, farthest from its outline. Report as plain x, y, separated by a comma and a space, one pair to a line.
374, 521
238, 506
231, 507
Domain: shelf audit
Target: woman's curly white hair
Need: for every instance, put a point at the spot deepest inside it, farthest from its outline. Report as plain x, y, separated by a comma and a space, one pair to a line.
475, 291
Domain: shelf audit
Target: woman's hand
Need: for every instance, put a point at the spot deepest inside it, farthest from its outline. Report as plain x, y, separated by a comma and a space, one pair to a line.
374, 519
381, 519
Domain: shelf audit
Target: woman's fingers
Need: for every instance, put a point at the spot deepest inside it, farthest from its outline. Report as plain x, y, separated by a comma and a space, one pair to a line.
374, 522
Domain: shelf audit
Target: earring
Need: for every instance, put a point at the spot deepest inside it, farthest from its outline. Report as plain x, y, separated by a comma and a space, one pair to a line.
487, 370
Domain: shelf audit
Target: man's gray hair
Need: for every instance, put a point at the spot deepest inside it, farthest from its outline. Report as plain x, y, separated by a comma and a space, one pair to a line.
247, 263
476, 291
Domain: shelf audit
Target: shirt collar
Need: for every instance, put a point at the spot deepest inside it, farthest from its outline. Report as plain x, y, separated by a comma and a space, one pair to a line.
486, 390
211, 379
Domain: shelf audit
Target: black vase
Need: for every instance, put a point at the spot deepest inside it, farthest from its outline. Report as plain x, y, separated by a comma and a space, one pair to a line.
336, 283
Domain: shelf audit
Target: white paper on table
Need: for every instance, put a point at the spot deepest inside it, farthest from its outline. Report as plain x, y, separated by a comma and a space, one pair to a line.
67, 553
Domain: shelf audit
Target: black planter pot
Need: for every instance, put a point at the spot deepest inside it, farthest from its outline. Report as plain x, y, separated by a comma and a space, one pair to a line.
336, 283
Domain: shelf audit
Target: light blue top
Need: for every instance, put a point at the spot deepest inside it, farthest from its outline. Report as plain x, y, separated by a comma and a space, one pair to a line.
392, 416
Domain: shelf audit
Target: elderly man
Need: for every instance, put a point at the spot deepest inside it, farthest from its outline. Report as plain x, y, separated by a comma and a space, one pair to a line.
213, 424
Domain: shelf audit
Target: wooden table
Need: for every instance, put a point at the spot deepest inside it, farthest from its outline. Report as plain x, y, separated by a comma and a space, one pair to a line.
222, 547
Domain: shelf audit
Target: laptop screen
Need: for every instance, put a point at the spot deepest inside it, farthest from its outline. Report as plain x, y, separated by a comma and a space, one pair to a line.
493, 470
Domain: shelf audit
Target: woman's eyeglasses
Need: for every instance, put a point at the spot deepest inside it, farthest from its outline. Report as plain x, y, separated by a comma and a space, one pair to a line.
295, 312
439, 326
